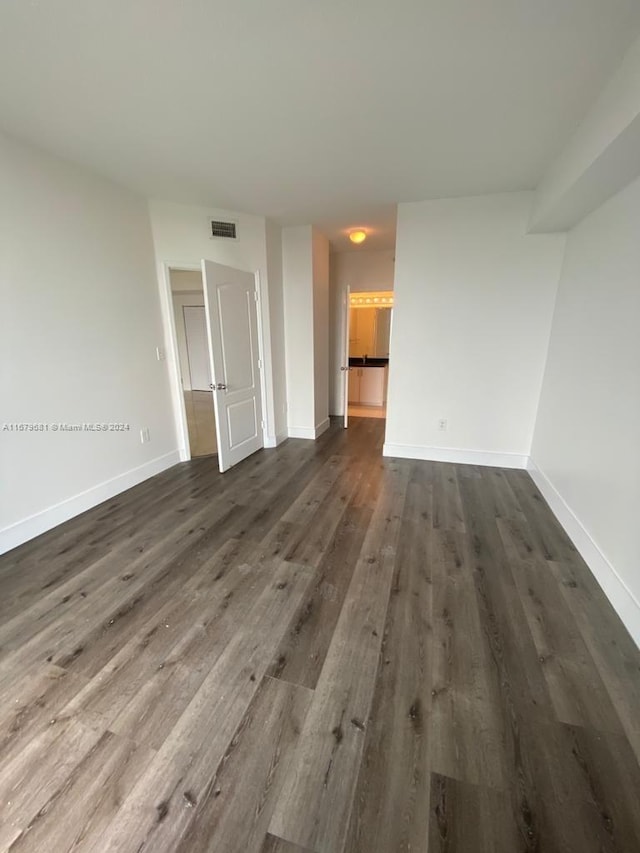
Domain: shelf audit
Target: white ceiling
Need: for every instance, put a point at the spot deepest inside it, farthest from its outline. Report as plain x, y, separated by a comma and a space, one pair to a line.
323, 111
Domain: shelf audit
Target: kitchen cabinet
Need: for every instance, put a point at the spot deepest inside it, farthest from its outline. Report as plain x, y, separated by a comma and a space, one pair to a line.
367, 385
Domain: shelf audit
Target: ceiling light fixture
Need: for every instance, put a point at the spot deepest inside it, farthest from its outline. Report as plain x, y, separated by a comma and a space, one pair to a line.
358, 236
372, 299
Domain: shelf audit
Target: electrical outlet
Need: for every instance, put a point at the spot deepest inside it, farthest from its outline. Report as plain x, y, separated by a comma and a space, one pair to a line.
442, 424
145, 435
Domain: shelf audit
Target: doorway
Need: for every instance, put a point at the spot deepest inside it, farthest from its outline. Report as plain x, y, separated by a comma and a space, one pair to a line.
224, 420
368, 330
187, 296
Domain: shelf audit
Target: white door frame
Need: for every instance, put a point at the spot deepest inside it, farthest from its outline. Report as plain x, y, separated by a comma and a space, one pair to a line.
173, 359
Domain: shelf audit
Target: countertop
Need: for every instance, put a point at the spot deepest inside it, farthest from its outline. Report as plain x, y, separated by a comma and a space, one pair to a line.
370, 362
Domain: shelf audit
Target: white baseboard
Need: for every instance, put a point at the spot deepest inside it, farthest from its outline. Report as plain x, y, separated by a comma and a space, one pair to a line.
302, 432
274, 441
462, 457
34, 525
622, 599
309, 432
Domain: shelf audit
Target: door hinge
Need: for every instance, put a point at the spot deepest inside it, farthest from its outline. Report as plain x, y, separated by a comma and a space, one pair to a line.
255, 295
262, 424
259, 364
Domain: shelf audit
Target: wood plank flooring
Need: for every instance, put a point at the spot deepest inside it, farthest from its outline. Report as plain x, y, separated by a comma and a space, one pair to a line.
321, 651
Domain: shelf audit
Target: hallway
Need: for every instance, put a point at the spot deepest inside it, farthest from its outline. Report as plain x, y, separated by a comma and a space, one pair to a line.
320, 650
201, 423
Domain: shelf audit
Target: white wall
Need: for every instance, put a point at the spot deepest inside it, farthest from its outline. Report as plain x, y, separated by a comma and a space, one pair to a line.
186, 280
181, 239
80, 324
320, 265
276, 309
587, 435
359, 270
297, 265
364, 269
305, 263
472, 315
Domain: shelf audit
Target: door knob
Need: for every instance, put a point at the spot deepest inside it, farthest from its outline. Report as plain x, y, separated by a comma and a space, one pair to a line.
221, 386
344, 368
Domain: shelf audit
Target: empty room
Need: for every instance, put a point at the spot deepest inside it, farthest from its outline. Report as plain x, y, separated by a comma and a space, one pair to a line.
320, 405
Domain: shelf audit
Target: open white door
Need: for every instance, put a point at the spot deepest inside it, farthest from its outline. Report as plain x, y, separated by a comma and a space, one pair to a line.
230, 298
345, 355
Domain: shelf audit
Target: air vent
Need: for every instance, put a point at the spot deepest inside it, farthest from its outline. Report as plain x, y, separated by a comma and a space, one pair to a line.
227, 230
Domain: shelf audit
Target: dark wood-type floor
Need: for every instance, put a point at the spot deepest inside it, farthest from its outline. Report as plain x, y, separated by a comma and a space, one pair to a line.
321, 650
